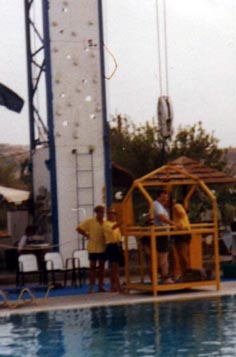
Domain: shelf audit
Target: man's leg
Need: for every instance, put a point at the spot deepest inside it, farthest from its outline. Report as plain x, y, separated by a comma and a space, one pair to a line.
116, 286
163, 264
163, 259
92, 275
101, 264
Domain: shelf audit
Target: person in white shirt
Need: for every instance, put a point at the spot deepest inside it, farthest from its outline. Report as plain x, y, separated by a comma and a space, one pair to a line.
27, 237
161, 218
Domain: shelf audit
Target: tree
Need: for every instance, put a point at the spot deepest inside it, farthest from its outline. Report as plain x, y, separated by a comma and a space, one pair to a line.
140, 149
196, 143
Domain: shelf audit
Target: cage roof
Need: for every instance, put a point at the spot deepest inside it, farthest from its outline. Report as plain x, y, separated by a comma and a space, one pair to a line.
185, 171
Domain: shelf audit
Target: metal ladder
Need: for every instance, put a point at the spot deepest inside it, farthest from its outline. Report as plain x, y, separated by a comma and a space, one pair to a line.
84, 169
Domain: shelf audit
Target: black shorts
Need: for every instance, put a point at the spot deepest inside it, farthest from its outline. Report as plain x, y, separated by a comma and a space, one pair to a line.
182, 238
163, 244
96, 256
113, 252
146, 241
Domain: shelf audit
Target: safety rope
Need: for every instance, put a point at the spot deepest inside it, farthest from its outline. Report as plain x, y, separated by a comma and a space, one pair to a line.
35, 247
114, 60
25, 297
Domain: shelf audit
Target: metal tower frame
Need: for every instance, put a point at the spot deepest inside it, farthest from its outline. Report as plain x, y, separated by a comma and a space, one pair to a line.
39, 70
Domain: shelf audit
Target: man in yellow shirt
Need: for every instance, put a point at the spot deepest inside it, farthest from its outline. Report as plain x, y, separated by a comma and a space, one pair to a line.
113, 241
93, 230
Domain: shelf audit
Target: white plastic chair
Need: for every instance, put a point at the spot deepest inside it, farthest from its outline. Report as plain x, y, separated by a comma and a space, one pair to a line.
81, 264
27, 264
54, 264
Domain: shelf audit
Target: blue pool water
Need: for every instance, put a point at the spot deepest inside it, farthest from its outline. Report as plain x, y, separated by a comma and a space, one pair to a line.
183, 328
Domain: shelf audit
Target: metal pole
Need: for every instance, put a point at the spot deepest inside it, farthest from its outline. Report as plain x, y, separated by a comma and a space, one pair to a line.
104, 108
163, 153
28, 4
52, 151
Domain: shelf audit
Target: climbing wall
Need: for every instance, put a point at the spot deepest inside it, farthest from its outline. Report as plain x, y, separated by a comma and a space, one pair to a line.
77, 113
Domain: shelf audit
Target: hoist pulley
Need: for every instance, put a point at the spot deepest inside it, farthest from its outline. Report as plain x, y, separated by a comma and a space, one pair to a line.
165, 117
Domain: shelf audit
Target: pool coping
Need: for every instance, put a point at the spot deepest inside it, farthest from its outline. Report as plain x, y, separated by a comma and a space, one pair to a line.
115, 299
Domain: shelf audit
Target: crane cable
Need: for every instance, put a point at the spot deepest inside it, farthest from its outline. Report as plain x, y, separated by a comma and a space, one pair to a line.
164, 108
165, 47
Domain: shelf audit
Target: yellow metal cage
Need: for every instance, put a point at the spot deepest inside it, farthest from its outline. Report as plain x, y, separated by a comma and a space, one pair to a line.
204, 257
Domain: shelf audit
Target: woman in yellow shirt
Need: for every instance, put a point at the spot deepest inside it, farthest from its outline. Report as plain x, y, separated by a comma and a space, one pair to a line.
181, 242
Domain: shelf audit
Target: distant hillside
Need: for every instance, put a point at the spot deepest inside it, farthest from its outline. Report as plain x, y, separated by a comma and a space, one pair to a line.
8, 151
19, 153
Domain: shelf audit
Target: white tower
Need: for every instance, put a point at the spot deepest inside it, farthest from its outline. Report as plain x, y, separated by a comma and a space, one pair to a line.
76, 152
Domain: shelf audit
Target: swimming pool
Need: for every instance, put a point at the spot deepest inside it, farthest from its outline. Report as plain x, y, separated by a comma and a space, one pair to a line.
183, 328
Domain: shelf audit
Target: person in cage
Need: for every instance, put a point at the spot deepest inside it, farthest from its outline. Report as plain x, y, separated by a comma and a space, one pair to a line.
181, 256
162, 219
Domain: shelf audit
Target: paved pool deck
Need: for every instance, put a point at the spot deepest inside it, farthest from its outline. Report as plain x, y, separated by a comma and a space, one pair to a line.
112, 299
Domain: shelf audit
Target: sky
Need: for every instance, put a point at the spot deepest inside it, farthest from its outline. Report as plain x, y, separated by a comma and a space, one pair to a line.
201, 54
14, 126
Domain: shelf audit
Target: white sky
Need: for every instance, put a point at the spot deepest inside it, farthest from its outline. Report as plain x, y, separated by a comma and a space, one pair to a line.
201, 41
14, 126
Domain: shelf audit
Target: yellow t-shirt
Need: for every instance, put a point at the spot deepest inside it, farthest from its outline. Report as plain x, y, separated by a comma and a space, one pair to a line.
96, 241
111, 235
180, 216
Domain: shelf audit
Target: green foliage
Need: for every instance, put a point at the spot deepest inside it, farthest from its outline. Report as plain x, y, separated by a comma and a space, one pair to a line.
136, 148
226, 199
196, 143
140, 149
